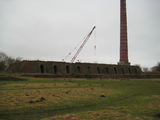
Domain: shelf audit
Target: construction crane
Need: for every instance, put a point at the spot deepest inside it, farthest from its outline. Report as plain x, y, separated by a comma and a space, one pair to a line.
84, 42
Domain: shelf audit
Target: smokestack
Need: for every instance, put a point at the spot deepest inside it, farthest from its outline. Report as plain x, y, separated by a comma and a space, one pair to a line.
123, 35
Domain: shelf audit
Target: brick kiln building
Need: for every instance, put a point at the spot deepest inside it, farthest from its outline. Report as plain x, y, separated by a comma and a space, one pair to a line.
63, 69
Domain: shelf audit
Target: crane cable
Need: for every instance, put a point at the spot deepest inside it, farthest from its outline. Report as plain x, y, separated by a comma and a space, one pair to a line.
80, 43
73, 49
95, 47
95, 42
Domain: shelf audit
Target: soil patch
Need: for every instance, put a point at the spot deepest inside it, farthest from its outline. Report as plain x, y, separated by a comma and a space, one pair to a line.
158, 115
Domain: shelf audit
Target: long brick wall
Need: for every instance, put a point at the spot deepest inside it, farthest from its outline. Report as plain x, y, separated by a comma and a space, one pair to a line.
63, 68
53, 69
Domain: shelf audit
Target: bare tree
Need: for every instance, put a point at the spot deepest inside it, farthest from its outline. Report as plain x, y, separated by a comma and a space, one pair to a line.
10, 61
6, 61
18, 59
3, 61
145, 69
156, 69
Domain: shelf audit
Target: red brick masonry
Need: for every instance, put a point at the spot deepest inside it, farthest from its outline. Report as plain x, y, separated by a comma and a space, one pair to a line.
123, 33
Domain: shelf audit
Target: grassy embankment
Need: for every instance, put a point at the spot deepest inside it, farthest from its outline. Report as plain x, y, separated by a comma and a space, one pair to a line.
77, 99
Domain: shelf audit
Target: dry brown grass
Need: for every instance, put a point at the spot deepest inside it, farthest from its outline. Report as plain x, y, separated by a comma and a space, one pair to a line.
153, 106
40, 85
98, 115
112, 113
14, 99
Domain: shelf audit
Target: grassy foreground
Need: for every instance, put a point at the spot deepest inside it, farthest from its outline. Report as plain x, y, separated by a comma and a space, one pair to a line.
78, 99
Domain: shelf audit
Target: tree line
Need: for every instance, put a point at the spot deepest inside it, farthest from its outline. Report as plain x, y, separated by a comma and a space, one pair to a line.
6, 61
154, 69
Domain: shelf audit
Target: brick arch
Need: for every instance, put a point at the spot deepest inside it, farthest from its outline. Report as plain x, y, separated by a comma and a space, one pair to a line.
122, 71
115, 70
129, 71
107, 70
78, 69
55, 69
42, 68
98, 70
67, 69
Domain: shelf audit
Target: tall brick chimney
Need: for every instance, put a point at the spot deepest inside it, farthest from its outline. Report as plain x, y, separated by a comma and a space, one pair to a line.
123, 35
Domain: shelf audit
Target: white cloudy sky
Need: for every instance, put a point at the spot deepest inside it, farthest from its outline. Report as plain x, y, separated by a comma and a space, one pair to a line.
50, 29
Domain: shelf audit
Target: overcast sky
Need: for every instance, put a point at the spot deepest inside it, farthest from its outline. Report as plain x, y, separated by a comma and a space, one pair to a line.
50, 29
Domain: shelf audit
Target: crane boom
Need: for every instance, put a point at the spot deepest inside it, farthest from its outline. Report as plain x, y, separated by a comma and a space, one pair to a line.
84, 42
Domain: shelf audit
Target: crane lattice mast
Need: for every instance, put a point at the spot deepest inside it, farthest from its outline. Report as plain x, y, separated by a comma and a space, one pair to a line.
84, 42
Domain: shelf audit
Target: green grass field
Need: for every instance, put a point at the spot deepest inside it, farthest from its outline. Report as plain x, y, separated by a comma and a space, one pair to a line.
78, 99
